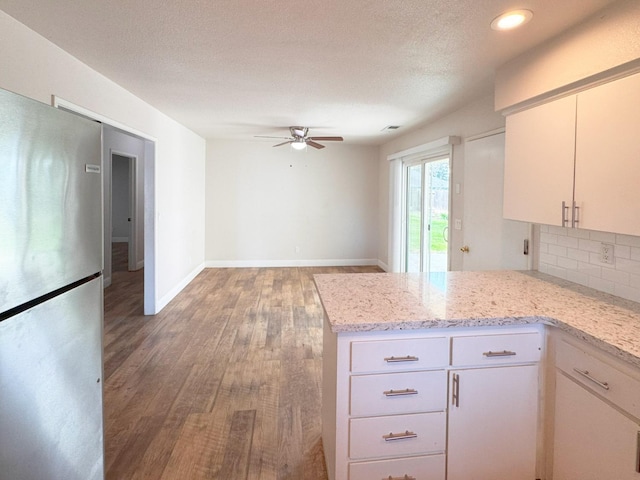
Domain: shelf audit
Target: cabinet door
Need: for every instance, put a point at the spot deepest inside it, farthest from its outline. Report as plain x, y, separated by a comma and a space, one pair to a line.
592, 441
539, 160
493, 423
608, 157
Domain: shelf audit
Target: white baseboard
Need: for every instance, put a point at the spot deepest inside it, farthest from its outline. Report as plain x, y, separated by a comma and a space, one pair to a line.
290, 263
383, 265
164, 301
119, 239
140, 265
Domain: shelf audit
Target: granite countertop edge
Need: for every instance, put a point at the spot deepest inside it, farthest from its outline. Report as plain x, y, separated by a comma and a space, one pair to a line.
602, 336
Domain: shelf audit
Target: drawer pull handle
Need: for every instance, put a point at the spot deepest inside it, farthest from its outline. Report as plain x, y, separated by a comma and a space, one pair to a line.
455, 390
504, 353
399, 436
587, 375
399, 393
408, 358
406, 477
638, 454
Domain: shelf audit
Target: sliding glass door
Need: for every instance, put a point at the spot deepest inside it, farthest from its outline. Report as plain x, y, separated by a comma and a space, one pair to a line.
427, 216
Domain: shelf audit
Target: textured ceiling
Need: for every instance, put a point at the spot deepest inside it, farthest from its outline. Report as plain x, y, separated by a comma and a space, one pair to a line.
239, 68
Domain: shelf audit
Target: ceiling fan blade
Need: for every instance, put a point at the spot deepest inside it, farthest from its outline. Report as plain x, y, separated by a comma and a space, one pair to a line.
283, 143
329, 139
313, 144
267, 136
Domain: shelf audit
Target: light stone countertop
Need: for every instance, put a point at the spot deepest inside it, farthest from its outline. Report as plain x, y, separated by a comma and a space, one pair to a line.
398, 301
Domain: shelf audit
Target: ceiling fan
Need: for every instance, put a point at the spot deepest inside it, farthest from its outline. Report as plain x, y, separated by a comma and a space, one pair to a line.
299, 139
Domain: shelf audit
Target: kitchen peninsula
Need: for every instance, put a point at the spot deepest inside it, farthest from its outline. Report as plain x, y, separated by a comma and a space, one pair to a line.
404, 358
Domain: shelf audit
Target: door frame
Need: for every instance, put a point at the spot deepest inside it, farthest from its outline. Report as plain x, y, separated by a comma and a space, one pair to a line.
437, 147
150, 237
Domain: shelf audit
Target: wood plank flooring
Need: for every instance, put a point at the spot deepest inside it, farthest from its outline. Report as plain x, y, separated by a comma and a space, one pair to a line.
223, 383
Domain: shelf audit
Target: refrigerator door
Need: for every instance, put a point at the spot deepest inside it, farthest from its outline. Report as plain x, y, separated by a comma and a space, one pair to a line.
50, 199
51, 389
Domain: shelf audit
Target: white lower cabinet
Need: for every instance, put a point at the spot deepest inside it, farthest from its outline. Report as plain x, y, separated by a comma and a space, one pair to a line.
493, 423
592, 440
387, 412
596, 418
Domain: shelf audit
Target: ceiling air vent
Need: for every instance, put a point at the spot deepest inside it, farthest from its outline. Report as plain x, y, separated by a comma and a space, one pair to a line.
390, 127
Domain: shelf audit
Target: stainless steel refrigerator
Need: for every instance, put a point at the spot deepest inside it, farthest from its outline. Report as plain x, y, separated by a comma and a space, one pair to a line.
51, 303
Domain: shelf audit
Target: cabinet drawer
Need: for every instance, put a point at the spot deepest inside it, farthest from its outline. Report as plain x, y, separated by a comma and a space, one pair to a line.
392, 393
486, 350
399, 355
600, 377
421, 468
426, 432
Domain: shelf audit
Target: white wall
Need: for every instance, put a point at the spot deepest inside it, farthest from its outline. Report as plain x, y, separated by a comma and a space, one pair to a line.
474, 118
263, 202
606, 41
32, 66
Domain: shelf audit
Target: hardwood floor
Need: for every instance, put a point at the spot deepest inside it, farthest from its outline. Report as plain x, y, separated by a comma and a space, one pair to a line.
223, 383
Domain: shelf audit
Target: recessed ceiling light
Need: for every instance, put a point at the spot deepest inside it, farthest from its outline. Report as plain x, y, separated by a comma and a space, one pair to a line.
512, 19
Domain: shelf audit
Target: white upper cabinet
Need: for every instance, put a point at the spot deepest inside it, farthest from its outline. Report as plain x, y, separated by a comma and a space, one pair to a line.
607, 174
539, 159
583, 150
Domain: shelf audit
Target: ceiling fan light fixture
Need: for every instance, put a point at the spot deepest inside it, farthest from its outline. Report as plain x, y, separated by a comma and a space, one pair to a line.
299, 144
512, 19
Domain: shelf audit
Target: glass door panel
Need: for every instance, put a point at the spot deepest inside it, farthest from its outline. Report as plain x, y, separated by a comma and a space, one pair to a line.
438, 216
413, 248
427, 219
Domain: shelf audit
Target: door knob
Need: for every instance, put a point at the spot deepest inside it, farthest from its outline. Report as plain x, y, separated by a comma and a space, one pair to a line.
465, 249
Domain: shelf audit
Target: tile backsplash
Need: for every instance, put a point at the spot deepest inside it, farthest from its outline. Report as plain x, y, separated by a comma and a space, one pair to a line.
575, 255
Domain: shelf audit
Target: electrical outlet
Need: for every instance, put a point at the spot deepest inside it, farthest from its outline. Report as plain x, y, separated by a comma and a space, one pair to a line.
606, 253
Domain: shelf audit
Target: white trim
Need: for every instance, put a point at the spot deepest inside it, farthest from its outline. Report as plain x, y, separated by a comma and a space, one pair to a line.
490, 133
290, 263
119, 239
426, 148
383, 265
396, 211
58, 102
610, 75
164, 301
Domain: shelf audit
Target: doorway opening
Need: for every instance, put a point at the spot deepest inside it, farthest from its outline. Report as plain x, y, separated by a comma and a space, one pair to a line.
426, 225
124, 213
146, 177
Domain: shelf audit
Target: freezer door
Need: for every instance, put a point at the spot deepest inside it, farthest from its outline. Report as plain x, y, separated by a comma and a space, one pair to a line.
51, 389
50, 199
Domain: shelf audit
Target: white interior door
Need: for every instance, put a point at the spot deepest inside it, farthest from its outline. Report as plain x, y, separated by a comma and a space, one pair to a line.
493, 242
